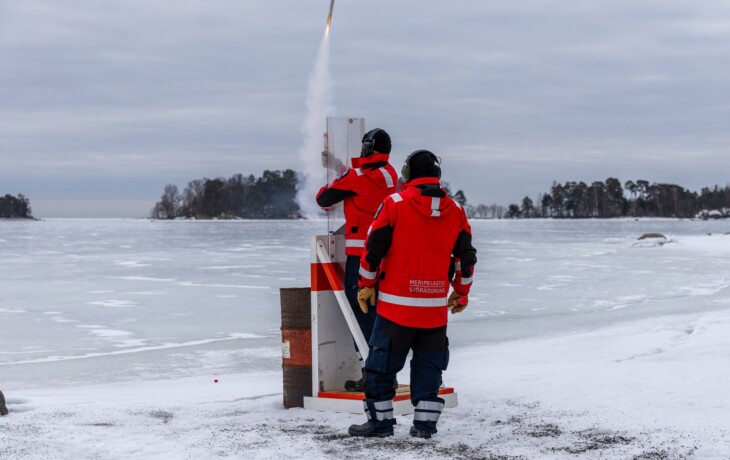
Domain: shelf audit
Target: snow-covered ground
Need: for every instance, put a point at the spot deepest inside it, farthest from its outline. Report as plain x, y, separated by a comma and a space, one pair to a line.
577, 344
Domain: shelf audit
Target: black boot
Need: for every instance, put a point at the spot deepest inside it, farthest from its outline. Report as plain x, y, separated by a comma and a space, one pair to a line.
416, 433
356, 386
368, 430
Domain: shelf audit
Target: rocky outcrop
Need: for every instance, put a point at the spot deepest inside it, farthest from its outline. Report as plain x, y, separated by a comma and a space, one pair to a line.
651, 240
651, 235
3, 407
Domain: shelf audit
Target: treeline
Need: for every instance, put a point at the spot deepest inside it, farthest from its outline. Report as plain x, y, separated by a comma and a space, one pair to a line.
271, 196
15, 207
633, 199
481, 211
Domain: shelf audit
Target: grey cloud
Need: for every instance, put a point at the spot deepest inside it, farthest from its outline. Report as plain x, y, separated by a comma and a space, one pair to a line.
512, 94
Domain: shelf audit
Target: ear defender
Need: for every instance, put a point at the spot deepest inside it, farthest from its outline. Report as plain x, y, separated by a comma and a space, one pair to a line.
405, 172
437, 166
408, 169
368, 144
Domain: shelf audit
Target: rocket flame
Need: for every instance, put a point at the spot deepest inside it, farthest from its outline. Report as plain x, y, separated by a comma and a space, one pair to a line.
329, 19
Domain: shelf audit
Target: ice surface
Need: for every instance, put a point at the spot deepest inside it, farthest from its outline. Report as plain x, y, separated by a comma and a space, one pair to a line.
159, 294
575, 342
129, 299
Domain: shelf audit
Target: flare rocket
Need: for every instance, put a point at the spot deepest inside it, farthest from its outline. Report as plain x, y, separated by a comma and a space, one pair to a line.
329, 16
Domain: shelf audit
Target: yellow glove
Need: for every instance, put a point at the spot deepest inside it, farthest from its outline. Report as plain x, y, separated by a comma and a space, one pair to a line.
457, 302
364, 295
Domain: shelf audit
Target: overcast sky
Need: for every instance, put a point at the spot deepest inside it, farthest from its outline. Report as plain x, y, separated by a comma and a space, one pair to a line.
102, 103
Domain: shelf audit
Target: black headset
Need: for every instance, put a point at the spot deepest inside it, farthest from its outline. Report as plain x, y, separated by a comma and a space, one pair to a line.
368, 144
405, 171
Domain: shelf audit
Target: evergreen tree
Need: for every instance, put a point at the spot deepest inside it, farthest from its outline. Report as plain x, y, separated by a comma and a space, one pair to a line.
558, 207
459, 197
15, 207
528, 209
615, 201
546, 204
513, 211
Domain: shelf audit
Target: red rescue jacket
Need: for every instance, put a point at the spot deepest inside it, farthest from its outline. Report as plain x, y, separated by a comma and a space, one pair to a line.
362, 188
419, 243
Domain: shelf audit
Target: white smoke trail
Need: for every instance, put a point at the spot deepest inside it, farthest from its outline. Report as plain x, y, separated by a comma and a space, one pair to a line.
319, 106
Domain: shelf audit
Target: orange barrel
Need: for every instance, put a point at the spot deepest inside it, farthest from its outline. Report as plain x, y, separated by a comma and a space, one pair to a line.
296, 345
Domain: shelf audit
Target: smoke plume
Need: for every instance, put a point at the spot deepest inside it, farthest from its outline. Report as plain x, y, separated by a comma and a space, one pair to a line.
319, 106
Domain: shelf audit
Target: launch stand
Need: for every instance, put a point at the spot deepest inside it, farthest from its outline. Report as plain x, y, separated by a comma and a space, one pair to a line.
334, 327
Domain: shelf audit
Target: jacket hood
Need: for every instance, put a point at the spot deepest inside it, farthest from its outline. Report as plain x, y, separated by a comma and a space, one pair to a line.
426, 195
376, 168
359, 162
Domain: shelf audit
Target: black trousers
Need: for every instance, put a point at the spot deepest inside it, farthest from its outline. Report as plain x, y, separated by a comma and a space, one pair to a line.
389, 347
364, 320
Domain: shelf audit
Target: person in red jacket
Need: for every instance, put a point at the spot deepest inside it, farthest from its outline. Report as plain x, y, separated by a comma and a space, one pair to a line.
362, 188
418, 246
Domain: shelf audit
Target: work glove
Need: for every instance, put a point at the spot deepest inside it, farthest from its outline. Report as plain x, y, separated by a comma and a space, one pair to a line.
457, 302
365, 295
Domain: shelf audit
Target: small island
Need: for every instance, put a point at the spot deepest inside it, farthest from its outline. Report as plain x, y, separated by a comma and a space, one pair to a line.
271, 196
15, 207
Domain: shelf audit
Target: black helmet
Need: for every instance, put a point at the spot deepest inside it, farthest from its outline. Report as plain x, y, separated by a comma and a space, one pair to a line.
376, 140
421, 163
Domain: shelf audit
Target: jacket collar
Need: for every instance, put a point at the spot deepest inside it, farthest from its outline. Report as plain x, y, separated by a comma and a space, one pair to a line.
360, 162
423, 181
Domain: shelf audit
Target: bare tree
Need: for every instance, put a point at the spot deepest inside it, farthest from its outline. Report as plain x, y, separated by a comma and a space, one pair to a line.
171, 201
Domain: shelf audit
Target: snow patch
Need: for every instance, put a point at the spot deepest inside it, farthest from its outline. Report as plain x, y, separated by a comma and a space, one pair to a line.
114, 303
